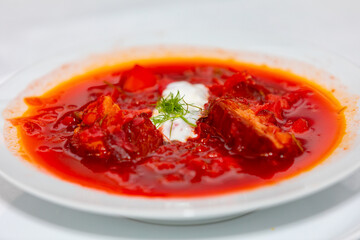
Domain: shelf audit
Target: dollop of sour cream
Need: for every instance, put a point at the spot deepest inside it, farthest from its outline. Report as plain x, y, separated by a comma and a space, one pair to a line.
194, 94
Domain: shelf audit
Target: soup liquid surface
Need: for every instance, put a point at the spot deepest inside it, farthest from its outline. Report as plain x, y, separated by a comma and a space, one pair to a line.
201, 166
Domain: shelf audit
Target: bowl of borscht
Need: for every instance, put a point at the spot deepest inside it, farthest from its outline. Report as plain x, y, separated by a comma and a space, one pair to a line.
181, 133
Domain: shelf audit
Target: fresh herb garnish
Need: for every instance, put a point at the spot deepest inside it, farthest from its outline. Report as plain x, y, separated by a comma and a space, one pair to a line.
78, 115
297, 142
172, 107
102, 119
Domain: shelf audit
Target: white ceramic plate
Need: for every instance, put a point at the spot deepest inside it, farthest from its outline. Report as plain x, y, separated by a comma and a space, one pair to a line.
327, 69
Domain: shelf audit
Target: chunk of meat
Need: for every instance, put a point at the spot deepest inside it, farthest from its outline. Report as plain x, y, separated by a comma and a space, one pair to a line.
244, 131
136, 137
89, 141
89, 137
107, 132
103, 111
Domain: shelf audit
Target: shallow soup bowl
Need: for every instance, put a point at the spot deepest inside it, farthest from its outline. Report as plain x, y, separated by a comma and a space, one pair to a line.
330, 71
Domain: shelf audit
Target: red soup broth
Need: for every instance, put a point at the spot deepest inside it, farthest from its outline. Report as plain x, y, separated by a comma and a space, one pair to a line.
195, 168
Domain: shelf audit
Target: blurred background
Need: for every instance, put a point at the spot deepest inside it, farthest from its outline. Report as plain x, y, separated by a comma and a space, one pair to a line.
30, 30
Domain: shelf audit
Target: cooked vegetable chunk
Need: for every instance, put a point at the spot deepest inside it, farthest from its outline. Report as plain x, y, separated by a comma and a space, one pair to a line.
243, 85
138, 79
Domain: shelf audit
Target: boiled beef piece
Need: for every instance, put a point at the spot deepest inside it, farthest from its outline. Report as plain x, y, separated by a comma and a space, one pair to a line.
246, 133
106, 131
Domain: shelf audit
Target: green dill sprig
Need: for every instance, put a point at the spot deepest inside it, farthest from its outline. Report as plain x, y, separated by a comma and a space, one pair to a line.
170, 108
102, 119
297, 142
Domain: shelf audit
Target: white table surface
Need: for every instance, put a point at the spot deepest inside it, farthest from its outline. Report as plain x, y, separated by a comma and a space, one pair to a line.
32, 30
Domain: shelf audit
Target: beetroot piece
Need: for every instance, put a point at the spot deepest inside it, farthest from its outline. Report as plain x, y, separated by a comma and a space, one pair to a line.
300, 126
243, 85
